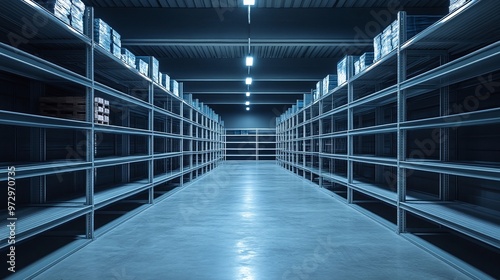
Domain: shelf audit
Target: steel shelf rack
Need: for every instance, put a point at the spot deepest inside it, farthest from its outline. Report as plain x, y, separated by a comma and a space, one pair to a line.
76, 177
411, 160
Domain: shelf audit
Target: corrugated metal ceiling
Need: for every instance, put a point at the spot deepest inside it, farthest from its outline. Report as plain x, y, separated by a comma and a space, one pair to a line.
239, 52
215, 4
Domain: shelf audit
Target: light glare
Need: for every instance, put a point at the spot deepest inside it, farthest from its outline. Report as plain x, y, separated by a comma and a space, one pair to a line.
249, 61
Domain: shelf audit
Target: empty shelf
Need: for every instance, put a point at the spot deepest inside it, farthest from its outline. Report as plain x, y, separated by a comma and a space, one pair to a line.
462, 217
105, 197
34, 220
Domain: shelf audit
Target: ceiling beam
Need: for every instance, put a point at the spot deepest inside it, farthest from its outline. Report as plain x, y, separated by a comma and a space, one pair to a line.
243, 92
244, 42
243, 80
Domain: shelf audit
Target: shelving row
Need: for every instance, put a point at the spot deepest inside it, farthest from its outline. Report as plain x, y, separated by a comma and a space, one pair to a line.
411, 140
77, 179
250, 144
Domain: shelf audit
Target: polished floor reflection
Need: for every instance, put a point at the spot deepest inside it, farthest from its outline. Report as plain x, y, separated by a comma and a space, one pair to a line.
251, 221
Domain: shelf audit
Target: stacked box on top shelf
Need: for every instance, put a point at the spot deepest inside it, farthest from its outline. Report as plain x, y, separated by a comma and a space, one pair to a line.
60, 8
165, 81
414, 25
174, 86
155, 67
377, 47
456, 4
300, 104
141, 66
388, 40
101, 110
307, 99
342, 70
317, 91
188, 98
128, 57
357, 66
329, 83
366, 60
116, 43
77, 12
102, 34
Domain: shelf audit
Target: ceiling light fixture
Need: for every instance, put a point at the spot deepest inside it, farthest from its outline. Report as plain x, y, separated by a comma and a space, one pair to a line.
249, 2
247, 103
248, 81
249, 60
248, 108
247, 94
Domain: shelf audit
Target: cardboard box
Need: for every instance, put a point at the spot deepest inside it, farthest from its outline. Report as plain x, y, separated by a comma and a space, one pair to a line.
102, 34
155, 67
357, 67
377, 47
116, 38
366, 60
329, 83
78, 4
165, 81
128, 57
174, 86
116, 50
142, 66
342, 71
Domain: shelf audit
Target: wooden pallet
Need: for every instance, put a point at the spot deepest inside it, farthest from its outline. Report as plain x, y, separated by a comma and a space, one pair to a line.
74, 108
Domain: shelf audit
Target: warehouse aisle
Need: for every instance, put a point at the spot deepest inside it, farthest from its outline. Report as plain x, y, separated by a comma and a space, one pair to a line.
250, 221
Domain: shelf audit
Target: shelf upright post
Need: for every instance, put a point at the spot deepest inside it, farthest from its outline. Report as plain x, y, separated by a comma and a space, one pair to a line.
181, 134
151, 134
401, 134
444, 149
190, 135
320, 142
379, 144
38, 184
91, 144
350, 127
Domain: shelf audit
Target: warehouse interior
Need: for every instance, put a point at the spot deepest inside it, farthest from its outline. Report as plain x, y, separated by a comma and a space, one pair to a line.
238, 139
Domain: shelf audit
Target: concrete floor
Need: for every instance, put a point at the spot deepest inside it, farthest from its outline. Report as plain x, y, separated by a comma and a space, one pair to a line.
251, 221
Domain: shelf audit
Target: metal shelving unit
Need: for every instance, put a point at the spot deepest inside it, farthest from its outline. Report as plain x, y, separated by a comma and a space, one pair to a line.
411, 140
250, 144
77, 179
